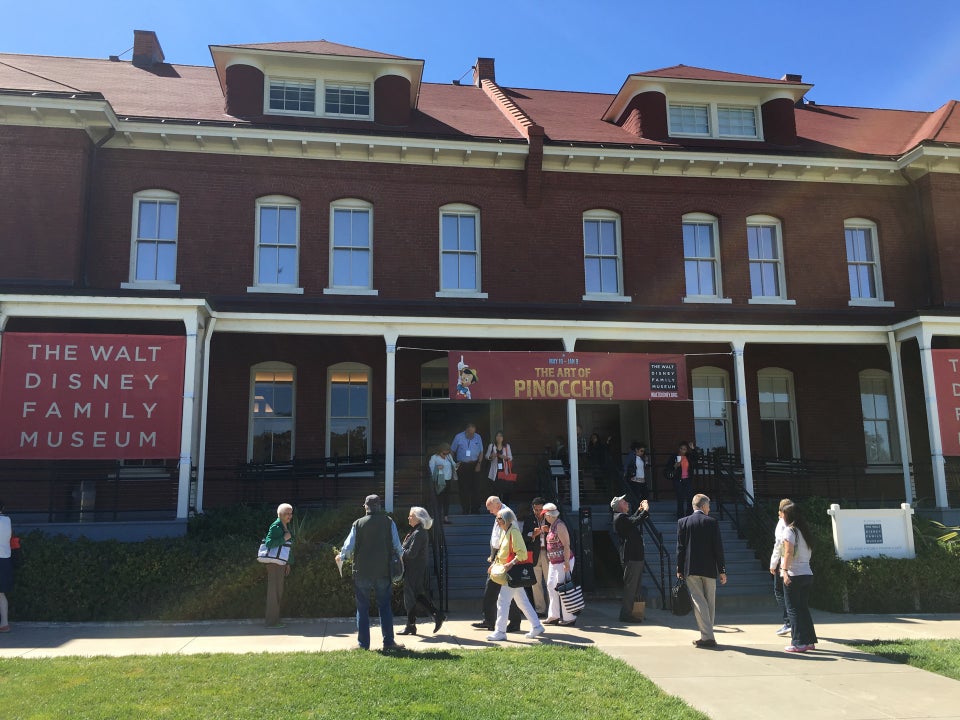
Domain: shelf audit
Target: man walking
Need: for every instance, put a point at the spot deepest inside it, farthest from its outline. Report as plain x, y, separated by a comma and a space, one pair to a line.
700, 561
370, 543
630, 530
467, 449
491, 591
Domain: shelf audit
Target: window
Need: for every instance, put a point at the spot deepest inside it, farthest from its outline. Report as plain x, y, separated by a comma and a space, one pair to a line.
347, 100
711, 408
459, 250
713, 120
153, 255
348, 433
293, 96
765, 250
778, 419
863, 264
689, 119
271, 413
351, 242
278, 241
879, 419
602, 266
435, 379
701, 257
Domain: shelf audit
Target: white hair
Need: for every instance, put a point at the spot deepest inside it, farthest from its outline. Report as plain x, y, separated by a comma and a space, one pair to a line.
508, 516
423, 516
284, 507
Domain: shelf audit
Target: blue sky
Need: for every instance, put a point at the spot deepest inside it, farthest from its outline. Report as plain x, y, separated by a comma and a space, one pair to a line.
885, 53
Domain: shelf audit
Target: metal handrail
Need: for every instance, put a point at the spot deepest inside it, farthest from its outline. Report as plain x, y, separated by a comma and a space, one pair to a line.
664, 556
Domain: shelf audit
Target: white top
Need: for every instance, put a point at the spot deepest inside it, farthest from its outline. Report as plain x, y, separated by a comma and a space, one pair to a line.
800, 562
6, 531
777, 544
497, 535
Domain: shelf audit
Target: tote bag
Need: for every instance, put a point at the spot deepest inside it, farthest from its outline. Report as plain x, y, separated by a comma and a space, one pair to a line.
279, 555
571, 596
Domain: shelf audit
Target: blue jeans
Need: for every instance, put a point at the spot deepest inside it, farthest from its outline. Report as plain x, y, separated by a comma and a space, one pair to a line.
778, 595
796, 594
362, 588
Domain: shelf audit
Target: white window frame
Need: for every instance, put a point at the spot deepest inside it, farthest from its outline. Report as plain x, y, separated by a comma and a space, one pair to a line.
604, 216
713, 120
329, 84
349, 367
461, 209
280, 201
704, 219
272, 367
712, 378
351, 204
862, 224
874, 376
305, 82
786, 377
152, 196
768, 221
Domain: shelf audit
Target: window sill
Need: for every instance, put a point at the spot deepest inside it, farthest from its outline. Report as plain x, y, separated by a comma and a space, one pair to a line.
891, 469
149, 286
707, 299
350, 291
598, 297
770, 301
275, 289
870, 302
461, 294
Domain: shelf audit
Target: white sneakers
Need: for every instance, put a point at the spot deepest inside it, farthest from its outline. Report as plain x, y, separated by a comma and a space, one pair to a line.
538, 630
784, 630
498, 636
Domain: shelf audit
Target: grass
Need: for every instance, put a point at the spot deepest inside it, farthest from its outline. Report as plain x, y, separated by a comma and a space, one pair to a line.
937, 656
549, 682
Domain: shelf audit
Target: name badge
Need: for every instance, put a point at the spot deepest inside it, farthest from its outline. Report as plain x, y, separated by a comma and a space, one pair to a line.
499, 466
468, 453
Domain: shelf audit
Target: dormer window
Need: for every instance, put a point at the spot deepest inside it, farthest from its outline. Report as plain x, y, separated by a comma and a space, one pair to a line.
298, 97
713, 120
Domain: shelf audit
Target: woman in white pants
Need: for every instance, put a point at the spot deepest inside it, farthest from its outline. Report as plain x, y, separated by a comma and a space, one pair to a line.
561, 559
512, 550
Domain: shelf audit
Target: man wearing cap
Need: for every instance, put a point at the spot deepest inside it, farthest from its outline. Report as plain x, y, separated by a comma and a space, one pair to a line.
371, 540
700, 561
630, 530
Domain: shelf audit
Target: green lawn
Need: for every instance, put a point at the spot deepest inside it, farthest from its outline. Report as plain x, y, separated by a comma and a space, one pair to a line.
938, 656
538, 682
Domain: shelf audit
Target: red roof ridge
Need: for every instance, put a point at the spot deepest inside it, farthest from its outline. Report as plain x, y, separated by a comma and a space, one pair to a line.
317, 47
518, 118
692, 72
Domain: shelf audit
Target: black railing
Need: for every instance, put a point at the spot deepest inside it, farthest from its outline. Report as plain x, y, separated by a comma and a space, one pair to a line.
664, 557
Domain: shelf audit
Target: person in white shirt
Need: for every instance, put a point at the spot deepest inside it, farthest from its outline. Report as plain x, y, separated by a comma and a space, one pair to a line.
6, 569
775, 558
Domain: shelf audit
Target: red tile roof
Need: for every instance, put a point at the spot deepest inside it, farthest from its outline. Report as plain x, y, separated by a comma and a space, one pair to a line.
689, 72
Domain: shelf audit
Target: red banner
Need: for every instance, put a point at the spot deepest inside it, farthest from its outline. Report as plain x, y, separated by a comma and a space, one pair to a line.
946, 376
78, 396
478, 375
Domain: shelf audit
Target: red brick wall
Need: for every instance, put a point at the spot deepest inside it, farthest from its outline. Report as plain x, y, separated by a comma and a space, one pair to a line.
43, 174
941, 214
528, 253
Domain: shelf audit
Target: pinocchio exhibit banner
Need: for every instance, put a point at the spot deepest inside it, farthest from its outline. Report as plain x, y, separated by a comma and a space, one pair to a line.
479, 375
79, 396
946, 376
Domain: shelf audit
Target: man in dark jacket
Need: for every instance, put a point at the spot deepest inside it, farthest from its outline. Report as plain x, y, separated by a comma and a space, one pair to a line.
371, 540
630, 530
700, 561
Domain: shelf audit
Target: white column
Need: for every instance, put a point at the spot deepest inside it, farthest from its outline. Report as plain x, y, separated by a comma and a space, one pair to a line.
933, 421
204, 397
743, 419
569, 342
186, 425
896, 370
390, 430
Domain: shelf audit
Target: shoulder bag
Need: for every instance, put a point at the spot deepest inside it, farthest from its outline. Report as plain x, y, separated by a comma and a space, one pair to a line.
680, 603
279, 555
571, 596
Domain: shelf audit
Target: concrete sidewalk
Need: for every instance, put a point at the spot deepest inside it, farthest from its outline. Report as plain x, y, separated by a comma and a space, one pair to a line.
748, 677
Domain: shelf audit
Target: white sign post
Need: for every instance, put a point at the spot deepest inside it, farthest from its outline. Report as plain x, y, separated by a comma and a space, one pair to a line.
872, 533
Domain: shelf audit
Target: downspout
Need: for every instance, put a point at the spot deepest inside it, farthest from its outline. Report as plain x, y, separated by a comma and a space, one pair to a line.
204, 396
87, 200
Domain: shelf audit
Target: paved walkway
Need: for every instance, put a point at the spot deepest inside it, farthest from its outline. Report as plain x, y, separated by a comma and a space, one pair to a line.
748, 677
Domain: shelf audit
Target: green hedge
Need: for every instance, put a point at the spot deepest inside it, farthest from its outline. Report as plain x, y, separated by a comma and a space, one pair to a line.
876, 585
211, 573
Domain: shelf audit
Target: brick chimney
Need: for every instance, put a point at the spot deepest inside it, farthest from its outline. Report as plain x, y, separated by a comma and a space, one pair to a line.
146, 49
483, 70
792, 77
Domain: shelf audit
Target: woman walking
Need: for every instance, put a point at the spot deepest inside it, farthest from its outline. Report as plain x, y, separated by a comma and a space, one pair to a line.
415, 571
500, 456
442, 470
511, 551
797, 580
560, 557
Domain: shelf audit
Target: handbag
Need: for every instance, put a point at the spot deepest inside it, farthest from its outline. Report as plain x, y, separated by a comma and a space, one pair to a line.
396, 567
680, 603
439, 482
279, 555
571, 596
521, 575
507, 474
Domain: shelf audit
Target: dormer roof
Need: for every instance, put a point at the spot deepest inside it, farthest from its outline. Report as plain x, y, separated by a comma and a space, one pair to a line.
317, 56
689, 81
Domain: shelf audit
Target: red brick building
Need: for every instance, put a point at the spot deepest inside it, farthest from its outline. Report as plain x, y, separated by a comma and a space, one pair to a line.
320, 228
